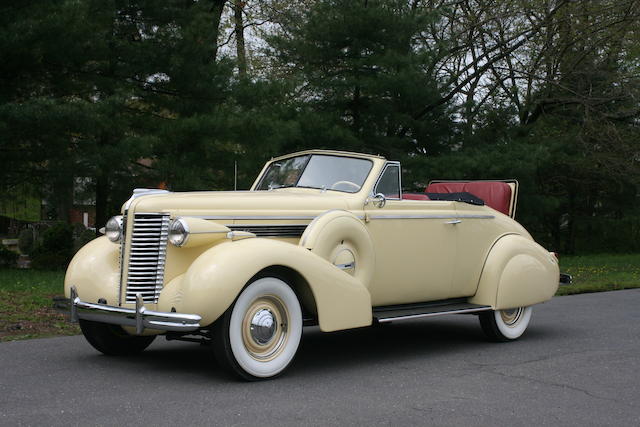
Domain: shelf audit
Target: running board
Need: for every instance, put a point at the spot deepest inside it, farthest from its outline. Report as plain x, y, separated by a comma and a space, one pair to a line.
436, 308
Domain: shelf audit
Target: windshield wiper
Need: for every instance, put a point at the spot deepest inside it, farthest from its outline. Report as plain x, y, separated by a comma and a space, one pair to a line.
308, 186
274, 187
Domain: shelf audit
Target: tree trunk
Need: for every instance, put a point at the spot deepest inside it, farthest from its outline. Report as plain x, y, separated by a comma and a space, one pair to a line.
239, 29
63, 197
102, 198
355, 110
217, 7
569, 247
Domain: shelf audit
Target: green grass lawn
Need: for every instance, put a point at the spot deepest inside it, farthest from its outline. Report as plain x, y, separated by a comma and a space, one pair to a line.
26, 306
603, 272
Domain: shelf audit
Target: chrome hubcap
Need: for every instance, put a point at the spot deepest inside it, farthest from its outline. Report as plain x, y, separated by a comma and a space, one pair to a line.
512, 316
265, 328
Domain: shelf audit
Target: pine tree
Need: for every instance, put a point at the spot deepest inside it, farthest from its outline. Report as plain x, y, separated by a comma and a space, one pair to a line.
361, 67
93, 87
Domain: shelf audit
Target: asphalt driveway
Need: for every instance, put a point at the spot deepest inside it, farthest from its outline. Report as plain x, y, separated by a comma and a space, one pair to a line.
578, 364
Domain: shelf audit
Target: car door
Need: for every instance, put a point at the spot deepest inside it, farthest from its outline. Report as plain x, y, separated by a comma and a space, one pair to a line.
415, 244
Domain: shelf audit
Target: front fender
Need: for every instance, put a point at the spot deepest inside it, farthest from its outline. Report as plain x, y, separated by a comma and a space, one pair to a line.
217, 276
95, 272
518, 272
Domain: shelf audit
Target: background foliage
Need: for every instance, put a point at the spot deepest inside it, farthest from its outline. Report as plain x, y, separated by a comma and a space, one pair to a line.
140, 93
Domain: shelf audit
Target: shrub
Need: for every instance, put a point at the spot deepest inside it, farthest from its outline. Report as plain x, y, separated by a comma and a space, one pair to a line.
49, 261
77, 228
25, 241
7, 258
54, 251
82, 239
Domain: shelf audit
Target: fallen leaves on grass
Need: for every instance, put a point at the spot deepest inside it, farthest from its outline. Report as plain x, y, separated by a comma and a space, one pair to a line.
25, 315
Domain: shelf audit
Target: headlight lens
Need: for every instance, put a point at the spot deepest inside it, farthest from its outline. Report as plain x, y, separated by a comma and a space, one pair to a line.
113, 229
178, 232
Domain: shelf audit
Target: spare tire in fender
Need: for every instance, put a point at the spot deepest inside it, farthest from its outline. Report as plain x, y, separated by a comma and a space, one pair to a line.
342, 239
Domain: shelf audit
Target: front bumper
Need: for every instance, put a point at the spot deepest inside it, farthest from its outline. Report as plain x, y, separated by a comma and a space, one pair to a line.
138, 318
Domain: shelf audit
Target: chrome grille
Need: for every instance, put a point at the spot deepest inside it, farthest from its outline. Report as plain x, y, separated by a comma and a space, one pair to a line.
147, 254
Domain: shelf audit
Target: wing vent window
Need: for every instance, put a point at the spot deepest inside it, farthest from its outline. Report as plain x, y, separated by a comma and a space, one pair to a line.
389, 182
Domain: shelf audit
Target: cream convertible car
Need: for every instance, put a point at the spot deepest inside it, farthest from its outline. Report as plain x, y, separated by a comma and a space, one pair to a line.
322, 238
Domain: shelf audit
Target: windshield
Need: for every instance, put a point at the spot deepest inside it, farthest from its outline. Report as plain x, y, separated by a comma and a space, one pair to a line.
338, 173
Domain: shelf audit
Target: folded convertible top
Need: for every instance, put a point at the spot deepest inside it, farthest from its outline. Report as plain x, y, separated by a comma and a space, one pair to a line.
457, 197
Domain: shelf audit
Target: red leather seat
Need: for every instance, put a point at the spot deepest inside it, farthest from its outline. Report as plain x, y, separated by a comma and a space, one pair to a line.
414, 196
495, 194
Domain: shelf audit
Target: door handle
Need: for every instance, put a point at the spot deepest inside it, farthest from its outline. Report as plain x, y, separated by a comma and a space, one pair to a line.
378, 200
453, 221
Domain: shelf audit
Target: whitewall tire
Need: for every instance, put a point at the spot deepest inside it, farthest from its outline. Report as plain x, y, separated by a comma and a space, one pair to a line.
259, 335
505, 325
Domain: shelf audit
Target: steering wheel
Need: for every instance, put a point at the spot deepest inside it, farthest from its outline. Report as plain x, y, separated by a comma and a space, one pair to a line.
347, 183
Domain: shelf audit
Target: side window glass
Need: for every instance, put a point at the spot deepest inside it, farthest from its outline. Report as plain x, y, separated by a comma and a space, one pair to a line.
389, 183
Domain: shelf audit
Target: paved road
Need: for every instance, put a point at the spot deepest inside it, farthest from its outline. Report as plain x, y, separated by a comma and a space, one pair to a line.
578, 364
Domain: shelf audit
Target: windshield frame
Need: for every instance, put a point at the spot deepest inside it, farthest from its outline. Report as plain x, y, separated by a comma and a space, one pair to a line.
311, 155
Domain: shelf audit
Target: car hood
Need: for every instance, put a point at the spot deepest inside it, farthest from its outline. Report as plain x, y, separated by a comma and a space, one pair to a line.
308, 202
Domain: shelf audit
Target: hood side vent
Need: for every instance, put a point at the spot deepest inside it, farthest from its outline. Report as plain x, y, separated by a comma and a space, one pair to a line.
271, 230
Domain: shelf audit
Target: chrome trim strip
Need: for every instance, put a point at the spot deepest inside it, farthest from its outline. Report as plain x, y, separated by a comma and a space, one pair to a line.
440, 313
209, 232
263, 217
139, 192
431, 216
139, 318
239, 235
121, 258
256, 217
267, 225
346, 266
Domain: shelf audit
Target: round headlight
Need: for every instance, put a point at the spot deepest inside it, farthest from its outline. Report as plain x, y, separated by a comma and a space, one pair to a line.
178, 232
113, 229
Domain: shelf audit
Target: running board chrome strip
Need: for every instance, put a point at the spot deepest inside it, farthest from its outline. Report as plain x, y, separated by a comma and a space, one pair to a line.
431, 314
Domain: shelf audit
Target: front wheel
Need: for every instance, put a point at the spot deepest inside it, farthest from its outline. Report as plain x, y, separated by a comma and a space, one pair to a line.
505, 325
112, 340
259, 335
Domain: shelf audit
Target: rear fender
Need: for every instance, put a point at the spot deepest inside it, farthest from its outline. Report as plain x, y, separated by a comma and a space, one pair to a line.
518, 272
215, 278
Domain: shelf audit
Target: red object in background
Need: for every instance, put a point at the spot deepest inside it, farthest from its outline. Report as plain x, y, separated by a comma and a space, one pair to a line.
76, 214
414, 196
495, 194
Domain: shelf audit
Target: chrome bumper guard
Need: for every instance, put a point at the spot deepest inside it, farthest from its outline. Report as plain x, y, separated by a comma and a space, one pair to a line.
139, 317
566, 279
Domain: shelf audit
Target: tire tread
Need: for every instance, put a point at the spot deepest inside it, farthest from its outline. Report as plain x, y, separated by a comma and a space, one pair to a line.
490, 328
112, 340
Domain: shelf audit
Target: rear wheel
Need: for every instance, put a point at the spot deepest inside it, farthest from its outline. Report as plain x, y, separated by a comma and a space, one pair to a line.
505, 325
259, 335
112, 340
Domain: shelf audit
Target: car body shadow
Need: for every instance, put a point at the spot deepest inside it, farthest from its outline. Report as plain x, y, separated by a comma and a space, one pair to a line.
319, 353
